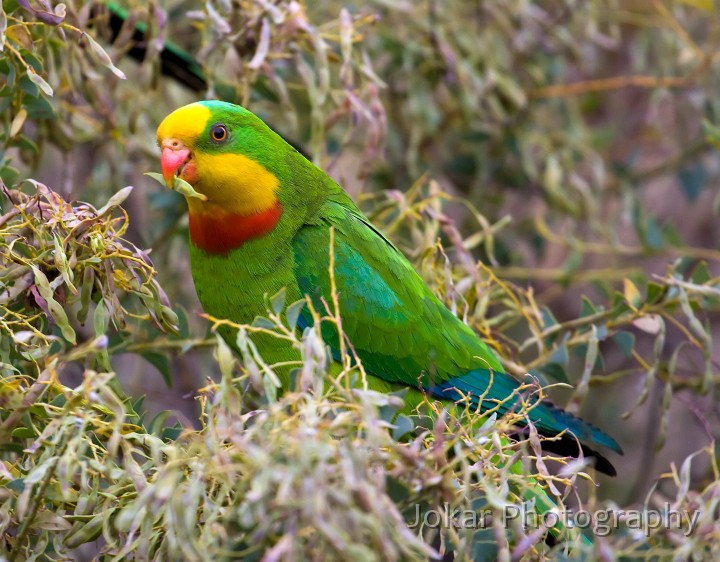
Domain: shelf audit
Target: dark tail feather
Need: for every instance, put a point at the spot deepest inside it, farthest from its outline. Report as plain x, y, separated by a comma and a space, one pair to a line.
568, 446
497, 387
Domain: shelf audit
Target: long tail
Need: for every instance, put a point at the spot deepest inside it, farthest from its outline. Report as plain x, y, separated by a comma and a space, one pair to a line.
499, 390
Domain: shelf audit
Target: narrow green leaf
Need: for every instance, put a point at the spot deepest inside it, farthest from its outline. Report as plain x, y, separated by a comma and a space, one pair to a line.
48, 521
632, 293
711, 132
225, 358
24, 432
39, 472
402, 426
179, 185
652, 235
169, 318
40, 82
583, 385
625, 341
701, 275
654, 292
161, 363
277, 301
183, 323
548, 318
555, 372
262, 322
82, 533
86, 293
587, 308
573, 261
100, 320
293, 313
116, 200
62, 264
560, 354
103, 57
56, 311
692, 180
695, 323
18, 122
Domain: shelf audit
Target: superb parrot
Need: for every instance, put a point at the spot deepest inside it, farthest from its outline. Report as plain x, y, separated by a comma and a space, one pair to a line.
263, 224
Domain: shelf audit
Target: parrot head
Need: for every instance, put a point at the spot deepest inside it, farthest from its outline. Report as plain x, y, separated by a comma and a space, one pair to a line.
226, 154
218, 148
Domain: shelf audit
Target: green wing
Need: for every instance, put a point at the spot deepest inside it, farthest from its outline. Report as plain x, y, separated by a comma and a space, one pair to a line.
399, 329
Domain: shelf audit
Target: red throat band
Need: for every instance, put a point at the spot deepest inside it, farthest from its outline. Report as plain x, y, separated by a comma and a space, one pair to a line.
218, 233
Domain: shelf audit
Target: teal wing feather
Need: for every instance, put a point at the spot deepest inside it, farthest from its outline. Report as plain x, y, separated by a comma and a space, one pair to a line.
399, 329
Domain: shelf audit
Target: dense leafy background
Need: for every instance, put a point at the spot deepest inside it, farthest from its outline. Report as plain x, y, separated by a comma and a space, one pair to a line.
564, 155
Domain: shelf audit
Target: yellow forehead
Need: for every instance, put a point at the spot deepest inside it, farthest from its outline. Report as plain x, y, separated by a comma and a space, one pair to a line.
185, 124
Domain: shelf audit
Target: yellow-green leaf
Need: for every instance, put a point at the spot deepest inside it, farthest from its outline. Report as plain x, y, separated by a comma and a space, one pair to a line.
632, 293
179, 185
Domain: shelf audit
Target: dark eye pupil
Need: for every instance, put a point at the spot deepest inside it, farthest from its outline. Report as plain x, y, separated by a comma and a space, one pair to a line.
219, 133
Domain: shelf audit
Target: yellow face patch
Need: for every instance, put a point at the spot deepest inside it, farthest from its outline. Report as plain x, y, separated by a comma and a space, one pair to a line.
234, 183
185, 124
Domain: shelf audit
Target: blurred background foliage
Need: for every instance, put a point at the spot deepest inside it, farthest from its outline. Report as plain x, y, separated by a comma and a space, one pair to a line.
564, 154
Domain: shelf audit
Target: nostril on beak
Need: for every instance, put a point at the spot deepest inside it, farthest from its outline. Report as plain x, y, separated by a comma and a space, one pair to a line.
172, 144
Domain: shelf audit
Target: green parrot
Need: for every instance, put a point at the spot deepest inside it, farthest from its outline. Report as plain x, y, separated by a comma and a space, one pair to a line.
263, 223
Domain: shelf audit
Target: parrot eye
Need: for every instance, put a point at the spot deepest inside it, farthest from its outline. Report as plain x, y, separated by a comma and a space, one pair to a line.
219, 133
